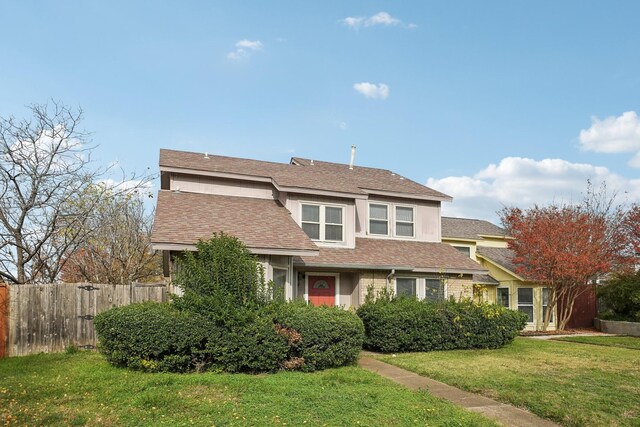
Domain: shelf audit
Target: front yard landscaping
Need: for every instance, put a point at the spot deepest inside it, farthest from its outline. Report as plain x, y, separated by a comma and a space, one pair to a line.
573, 384
623, 342
83, 389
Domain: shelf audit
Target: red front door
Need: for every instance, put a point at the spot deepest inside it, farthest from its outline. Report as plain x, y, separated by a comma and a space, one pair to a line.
322, 290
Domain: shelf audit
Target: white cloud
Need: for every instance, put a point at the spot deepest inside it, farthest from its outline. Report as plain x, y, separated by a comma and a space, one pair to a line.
523, 182
244, 48
371, 90
343, 125
614, 135
380, 18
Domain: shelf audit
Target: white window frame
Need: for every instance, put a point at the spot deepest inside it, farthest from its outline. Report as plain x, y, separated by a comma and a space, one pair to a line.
395, 221
532, 305
388, 206
418, 287
442, 282
286, 278
322, 224
508, 296
553, 314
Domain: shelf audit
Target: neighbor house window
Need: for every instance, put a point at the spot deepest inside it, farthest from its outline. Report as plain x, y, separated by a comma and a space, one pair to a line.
545, 303
378, 219
502, 297
464, 249
406, 287
434, 290
279, 282
322, 222
525, 302
404, 221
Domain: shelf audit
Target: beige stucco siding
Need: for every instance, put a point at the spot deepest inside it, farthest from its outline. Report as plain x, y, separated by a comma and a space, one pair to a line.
426, 218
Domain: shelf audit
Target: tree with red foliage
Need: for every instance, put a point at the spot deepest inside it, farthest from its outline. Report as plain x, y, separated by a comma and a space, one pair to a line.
567, 247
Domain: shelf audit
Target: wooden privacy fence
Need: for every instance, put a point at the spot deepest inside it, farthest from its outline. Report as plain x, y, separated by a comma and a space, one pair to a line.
51, 317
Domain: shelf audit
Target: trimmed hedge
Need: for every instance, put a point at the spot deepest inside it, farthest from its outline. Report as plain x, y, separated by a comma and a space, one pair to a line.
153, 337
328, 336
158, 337
406, 324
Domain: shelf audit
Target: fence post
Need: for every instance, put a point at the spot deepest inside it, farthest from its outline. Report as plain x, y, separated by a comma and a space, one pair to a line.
4, 320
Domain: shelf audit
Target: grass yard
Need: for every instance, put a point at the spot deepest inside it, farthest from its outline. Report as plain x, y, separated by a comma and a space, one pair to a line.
622, 342
82, 389
573, 384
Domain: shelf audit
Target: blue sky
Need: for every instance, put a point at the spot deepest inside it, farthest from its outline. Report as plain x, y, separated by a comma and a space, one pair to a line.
485, 101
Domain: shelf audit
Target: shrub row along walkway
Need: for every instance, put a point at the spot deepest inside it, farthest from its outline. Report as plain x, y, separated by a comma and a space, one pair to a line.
505, 414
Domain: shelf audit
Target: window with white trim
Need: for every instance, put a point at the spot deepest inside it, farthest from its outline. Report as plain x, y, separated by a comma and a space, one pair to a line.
378, 219
404, 221
464, 249
434, 290
545, 303
406, 286
502, 297
279, 282
323, 222
525, 302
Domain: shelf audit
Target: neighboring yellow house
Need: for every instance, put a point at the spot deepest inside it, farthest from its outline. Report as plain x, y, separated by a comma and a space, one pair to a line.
487, 244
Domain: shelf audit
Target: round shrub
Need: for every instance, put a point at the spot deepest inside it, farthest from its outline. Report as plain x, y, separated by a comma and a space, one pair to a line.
406, 324
153, 337
319, 337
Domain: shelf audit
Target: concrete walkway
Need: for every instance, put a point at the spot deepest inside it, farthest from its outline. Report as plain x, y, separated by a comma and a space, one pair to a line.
505, 414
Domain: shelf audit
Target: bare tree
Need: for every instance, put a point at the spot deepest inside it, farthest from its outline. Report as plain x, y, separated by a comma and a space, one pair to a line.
48, 189
118, 251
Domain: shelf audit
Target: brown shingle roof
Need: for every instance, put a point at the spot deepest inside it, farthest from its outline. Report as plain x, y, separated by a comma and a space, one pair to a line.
501, 256
301, 173
484, 279
184, 218
399, 254
469, 228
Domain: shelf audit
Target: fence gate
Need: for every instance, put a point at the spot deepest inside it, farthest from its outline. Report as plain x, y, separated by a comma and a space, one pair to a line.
50, 317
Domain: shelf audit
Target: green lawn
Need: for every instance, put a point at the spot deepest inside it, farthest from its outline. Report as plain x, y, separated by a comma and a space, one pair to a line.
573, 384
622, 342
82, 389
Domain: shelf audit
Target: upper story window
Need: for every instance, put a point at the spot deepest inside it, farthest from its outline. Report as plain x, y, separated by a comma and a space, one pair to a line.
404, 221
322, 222
378, 219
464, 249
383, 223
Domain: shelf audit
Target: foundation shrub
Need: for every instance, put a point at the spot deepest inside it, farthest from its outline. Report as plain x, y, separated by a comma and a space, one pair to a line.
407, 324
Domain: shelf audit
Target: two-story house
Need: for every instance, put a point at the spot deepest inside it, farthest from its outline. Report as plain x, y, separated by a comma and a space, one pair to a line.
487, 244
325, 232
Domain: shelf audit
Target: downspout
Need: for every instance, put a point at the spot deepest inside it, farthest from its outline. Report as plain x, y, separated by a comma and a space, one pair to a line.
390, 276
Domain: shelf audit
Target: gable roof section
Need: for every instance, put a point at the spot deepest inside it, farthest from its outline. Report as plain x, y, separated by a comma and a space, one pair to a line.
473, 229
264, 226
303, 174
502, 257
399, 254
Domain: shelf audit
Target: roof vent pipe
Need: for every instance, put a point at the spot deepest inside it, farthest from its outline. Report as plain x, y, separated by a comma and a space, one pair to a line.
353, 156
311, 162
206, 155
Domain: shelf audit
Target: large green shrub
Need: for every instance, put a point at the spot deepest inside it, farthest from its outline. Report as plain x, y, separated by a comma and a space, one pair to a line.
621, 298
224, 321
320, 337
153, 337
406, 324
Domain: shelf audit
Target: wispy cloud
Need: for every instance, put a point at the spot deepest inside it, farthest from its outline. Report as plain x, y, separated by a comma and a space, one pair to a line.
244, 49
372, 90
379, 19
614, 135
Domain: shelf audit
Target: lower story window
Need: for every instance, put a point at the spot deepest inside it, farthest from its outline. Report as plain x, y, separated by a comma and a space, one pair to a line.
525, 302
545, 303
279, 282
405, 287
434, 290
502, 297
